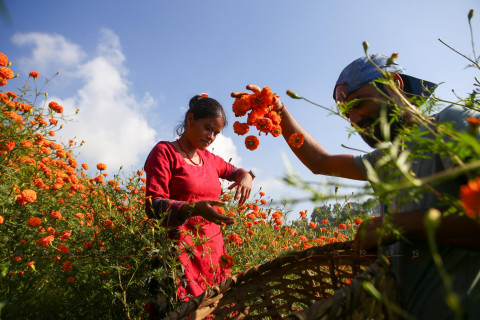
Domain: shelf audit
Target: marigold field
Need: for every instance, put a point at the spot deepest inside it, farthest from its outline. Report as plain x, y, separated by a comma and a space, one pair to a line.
76, 242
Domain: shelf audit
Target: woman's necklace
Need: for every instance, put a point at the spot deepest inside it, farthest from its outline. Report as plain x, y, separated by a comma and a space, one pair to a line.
197, 164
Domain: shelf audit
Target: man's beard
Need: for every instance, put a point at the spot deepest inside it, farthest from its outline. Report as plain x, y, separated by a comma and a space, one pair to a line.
372, 133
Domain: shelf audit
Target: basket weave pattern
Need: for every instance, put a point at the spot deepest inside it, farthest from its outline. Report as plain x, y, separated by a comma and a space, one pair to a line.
310, 284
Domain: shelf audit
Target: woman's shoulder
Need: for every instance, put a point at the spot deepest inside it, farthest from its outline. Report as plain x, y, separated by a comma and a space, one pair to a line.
160, 150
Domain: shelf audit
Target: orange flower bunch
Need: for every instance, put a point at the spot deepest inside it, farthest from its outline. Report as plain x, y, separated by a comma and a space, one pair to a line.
470, 198
262, 114
5, 72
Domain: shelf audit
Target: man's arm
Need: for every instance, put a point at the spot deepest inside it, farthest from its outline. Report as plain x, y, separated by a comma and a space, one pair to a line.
314, 156
454, 230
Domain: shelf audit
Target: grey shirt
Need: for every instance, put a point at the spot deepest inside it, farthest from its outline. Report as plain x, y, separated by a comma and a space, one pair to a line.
421, 290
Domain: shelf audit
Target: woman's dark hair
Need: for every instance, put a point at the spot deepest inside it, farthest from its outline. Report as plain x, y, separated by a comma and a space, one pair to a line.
202, 107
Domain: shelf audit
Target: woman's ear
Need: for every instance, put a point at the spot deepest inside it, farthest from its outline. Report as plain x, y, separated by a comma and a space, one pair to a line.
189, 120
398, 81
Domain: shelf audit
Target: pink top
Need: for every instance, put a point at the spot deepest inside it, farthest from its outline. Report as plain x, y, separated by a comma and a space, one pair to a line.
171, 181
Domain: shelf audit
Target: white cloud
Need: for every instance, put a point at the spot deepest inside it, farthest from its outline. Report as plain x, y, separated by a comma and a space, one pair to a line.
50, 52
110, 119
224, 147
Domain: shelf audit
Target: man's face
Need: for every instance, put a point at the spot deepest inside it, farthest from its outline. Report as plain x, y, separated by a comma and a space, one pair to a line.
364, 107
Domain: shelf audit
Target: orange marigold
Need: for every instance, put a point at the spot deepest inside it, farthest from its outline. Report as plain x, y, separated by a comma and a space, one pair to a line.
296, 140
6, 73
226, 261
470, 198
342, 226
276, 130
101, 166
55, 107
2, 219
56, 215
241, 105
264, 125
312, 225
30, 264
3, 59
26, 196
63, 248
34, 74
251, 142
240, 128
34, 222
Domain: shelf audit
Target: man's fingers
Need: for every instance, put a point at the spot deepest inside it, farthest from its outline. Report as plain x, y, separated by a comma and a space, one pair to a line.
237, 94
253, 87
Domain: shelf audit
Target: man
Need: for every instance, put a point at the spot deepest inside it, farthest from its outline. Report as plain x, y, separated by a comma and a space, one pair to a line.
364, 102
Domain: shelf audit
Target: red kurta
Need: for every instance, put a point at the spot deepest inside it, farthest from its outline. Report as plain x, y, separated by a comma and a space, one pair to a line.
173, 181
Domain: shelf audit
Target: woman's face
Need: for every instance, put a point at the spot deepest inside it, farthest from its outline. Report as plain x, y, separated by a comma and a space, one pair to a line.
202, 132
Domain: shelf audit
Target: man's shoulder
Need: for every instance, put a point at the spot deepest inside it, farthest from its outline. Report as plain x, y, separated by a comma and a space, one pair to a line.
455, 113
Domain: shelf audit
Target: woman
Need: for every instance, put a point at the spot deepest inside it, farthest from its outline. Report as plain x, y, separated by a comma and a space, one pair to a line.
183, 188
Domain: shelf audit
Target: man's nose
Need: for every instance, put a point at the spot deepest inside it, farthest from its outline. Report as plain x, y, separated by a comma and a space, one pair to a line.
354, 119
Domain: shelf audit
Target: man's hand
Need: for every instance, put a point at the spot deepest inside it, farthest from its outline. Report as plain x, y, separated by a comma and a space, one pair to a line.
370, 235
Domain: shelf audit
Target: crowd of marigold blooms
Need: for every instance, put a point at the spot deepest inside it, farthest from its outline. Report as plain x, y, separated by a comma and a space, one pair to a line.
60, 222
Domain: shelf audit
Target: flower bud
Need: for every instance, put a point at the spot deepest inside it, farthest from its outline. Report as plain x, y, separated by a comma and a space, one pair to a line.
470, 14
392, 59
293, 95
365, 46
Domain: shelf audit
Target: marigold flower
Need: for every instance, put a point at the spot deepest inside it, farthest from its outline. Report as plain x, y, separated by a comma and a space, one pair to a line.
264, 125
261, 193
3, 59
34, 74
51, 133
6, 73
87, 245
26, 196
55, 107
251, 142
276, 130
56, 215
45, 241
34, 222
240, 128
296, 140
263, 201
226, 261
30, 264
67, 266
474, 123
312, 225
63, 248
324, 221
2, 219
470, 198
358, 221
53, 121
241, 105
71, 279
101, 166
342, 226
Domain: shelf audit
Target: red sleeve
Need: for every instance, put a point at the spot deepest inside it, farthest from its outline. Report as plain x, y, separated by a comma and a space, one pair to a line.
158, 167
225, 170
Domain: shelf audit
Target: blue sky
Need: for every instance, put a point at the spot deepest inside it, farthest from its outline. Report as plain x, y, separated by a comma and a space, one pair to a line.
131, 67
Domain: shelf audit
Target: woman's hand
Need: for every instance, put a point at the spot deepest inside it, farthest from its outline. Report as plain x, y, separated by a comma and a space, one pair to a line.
205, 209
243, 182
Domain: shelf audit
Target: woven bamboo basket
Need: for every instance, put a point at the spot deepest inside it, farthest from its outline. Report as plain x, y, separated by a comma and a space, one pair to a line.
324, 282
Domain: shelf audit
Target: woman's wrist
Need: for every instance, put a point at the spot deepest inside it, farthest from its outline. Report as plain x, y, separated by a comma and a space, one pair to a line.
186, 211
